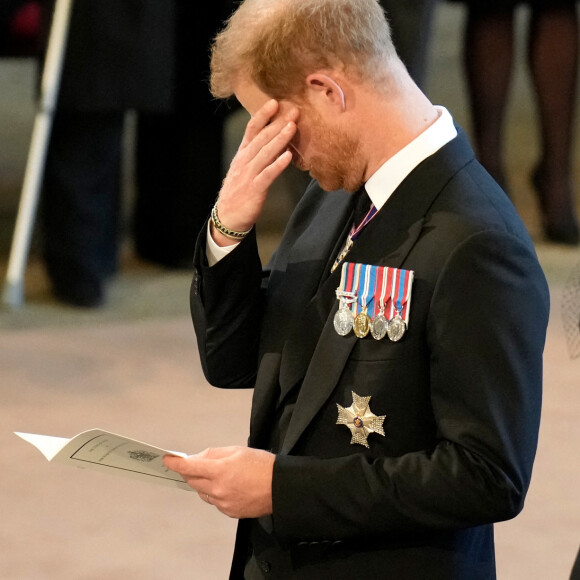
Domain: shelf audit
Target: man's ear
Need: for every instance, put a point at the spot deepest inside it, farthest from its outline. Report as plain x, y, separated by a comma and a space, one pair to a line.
327, 89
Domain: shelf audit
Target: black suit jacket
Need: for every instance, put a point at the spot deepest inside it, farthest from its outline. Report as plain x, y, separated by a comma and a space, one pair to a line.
461, 391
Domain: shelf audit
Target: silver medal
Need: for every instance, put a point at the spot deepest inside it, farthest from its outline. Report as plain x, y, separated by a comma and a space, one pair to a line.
343, 320
396, 328
379, 326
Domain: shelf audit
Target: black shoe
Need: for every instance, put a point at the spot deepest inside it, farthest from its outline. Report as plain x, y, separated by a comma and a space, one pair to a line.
81, 294
563, 233
560, 227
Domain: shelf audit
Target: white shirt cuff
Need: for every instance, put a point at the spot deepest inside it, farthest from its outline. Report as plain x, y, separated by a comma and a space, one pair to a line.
214, 252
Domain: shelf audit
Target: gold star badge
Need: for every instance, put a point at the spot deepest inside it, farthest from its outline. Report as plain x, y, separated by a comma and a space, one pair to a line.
360, 420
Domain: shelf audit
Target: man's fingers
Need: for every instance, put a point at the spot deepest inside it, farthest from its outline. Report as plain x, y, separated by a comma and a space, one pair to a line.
267, 123
261, 119
205, 497
251, 174
276, 135
218, 452
260, 159
269, 152
173, 462
270, 173
190, 467
198, 466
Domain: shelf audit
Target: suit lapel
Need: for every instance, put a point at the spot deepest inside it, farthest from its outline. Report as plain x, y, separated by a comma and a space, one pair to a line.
302, 339
305, 333
386, 241
297, 272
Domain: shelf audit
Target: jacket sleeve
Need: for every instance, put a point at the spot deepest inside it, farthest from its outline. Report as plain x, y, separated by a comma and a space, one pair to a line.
485, 331
226, 308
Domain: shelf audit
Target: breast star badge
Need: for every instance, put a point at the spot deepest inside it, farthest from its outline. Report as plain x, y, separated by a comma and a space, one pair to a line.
360, 420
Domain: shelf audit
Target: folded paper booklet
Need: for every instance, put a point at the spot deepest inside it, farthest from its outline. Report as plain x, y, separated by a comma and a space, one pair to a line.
116, 454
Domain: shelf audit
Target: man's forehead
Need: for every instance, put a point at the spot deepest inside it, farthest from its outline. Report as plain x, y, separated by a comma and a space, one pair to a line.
250, 96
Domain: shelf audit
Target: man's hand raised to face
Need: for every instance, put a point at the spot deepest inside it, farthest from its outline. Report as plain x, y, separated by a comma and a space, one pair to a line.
262, 156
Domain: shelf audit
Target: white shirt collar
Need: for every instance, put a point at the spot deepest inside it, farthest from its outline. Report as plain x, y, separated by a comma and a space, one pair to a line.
389, 176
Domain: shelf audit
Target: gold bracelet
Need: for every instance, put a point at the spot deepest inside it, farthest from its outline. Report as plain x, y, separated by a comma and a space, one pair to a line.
226, 231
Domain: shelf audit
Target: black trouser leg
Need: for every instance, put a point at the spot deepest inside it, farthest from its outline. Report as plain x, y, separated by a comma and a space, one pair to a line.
80, 203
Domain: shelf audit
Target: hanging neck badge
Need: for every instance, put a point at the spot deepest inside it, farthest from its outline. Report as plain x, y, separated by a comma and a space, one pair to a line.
352, 236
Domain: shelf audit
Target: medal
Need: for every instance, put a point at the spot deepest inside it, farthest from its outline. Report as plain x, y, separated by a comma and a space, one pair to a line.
375, 300
401, 297
360, 420
343, 321
361, 324
379, 322
344, 318
379, 325
396, 328
366, 275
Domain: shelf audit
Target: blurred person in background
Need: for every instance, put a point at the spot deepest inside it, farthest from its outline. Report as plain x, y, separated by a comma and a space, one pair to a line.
149, 56
119, 56
553, 64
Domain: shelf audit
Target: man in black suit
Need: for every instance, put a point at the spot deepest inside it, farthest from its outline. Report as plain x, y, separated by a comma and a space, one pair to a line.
119, 56
394, 342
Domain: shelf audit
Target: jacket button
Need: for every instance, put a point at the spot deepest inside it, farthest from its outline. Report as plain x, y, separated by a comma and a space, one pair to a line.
264, 566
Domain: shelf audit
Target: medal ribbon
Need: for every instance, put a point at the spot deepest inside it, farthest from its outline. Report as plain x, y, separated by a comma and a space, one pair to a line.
380, 286
410, 276
350, 285
401, 293
355, 286
387, 285
356, 230
353, 235
345, 290
373, 287
368, 283
346, 278
391, 273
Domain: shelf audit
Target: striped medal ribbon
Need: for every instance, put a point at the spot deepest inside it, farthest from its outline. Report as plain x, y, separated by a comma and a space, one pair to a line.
375, 300
400, 304
383, 288
365, 300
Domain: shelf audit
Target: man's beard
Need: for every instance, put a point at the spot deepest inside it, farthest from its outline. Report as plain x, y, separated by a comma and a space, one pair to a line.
335, 162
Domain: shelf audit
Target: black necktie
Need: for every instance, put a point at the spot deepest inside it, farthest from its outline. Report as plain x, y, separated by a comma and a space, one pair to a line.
361, 206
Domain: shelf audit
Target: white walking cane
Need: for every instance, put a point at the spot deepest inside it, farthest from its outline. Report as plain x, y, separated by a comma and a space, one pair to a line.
13, 293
